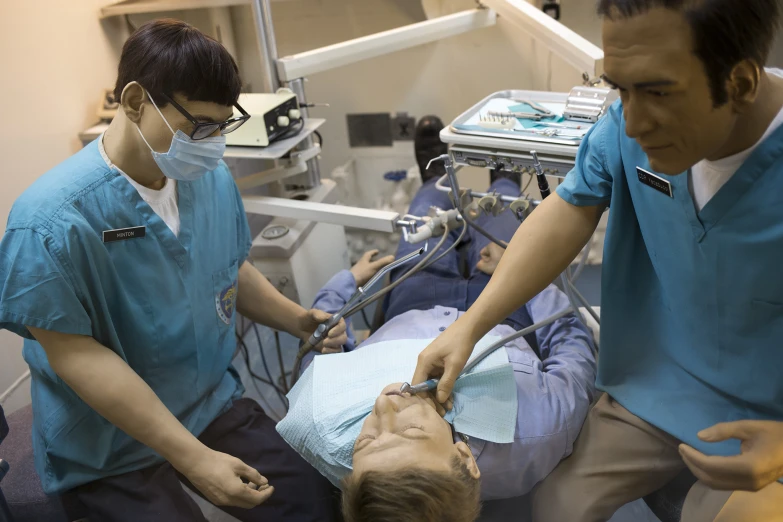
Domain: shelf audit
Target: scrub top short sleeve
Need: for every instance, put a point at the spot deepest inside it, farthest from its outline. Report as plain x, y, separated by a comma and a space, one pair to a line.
36, 290
244, 239
590, 182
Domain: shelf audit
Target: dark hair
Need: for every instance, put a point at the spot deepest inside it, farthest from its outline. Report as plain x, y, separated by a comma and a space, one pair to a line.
725, 32
427, 145
413, 495
169, 56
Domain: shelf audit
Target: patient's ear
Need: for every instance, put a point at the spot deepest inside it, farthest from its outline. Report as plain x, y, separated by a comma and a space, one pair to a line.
466, 456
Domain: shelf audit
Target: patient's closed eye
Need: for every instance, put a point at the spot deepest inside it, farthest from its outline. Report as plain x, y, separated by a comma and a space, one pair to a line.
362, 438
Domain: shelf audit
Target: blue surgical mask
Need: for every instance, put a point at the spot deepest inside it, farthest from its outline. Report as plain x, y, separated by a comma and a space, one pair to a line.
187, 159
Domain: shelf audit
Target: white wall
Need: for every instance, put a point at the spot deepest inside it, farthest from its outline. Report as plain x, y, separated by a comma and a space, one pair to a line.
56, 58
444, 78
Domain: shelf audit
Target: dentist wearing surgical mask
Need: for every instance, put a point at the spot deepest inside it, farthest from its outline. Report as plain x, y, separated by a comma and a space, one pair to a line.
124, 268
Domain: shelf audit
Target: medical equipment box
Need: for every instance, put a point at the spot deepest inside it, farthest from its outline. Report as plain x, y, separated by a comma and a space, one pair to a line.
271, 116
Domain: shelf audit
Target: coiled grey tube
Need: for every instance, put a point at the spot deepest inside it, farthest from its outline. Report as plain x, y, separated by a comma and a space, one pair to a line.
306, 347
582, 262
419, 266
516, 335
452, 247
567, 287
585, 304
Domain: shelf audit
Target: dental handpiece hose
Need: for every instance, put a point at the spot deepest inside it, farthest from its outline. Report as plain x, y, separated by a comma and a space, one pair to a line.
543, 183
432, 384
324, 328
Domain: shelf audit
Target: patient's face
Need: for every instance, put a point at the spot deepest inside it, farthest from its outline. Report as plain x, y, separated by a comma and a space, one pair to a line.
490, 257
404, 431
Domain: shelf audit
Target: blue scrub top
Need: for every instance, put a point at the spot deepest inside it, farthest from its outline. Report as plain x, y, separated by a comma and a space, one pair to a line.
692, 303
164, 304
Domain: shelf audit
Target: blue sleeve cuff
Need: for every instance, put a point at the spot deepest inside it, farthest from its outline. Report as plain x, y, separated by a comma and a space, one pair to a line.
598, 160
18, 323
37, 291
339, 288
343, 284
578, 201
333, 296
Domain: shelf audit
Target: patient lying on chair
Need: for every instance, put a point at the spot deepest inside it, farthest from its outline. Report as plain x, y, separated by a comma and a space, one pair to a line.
511, 421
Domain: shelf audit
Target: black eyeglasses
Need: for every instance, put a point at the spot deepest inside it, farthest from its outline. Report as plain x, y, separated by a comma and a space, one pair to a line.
203, 130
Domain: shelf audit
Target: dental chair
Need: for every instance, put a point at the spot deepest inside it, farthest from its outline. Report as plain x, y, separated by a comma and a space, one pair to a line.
22, 498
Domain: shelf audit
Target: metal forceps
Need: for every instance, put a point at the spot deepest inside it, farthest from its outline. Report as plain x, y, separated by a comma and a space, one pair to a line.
541, 112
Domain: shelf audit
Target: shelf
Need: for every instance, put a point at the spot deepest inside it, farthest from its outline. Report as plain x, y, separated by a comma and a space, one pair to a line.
129, 7
276, 150
272, 152
92, 133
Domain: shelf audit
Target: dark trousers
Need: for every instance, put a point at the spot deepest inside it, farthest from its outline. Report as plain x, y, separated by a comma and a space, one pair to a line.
245, 432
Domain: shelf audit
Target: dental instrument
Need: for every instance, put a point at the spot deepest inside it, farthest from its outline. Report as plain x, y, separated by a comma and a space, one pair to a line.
497, 121
418, 267
559, 125
307, 346
541, 111
543, 184
542, 132
323, 329
525, 116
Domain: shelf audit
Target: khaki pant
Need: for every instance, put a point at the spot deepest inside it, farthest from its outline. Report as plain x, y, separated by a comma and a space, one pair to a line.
619, 458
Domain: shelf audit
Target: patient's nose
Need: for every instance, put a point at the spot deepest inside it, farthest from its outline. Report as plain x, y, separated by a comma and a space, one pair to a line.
386, 408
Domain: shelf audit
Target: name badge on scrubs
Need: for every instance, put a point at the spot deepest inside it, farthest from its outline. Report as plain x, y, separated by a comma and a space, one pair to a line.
656, 182
121, 234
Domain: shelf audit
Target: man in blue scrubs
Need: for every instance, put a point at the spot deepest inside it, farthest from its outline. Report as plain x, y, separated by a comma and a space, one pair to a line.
124, 268
690, 160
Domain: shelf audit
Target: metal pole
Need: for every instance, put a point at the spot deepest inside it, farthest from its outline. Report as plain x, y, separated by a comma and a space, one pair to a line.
312, 178
267, 46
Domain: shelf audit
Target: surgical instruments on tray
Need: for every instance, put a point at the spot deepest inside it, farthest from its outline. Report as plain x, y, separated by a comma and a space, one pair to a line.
541, 111
494, 120
550, 133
